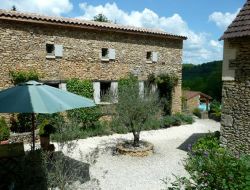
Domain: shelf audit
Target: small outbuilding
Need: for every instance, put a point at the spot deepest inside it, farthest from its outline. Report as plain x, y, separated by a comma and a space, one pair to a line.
195, 99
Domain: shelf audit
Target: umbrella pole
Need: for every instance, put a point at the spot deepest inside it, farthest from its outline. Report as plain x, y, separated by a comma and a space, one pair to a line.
33, 131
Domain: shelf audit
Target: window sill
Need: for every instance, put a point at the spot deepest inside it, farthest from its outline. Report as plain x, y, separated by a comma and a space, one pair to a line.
149, 62
105, 60
50, 57
104, 103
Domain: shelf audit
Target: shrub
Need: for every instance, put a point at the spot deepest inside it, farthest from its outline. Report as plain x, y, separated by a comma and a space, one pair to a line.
21, 123
86, 116
23, 76
215, 110
197, 112
185, 119
45, 129
213, 167
177, 120
4, 130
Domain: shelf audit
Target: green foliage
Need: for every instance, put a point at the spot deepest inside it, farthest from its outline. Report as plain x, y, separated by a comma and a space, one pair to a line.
205, 78
101, 18
132, 110
86, 116
177, 120
21, 123
215, 110
45, 128
197, 112
165, 84
23, 76
4, 130
213, 167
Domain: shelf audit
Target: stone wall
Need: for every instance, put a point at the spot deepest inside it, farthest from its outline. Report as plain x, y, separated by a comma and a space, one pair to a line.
193, 103
23, 47
236, 99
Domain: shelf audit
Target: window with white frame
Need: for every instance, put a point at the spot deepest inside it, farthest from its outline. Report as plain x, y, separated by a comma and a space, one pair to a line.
54, 50
108, 54
152, 57
103, 91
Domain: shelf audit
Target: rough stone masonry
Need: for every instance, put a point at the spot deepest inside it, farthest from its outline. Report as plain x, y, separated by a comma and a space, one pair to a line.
26, 40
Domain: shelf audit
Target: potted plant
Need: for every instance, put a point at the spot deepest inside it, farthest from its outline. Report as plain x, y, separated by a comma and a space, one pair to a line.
4, 131
45, 129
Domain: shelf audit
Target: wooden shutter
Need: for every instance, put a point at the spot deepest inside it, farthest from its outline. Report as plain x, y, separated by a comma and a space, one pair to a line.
154, 57
63, 86
114, 91
112, 54
141, 88
97, 93
58, 50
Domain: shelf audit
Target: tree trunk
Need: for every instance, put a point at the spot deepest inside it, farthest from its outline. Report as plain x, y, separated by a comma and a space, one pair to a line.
136, 139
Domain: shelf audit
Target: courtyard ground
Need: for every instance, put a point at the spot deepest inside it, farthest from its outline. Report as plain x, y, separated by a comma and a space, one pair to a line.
110, 171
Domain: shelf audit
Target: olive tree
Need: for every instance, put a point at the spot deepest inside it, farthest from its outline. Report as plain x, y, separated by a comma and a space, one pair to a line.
135, 108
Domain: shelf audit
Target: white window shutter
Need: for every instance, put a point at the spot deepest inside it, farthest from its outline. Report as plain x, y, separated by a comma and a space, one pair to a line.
112, 54
97, 89
114, 91
141, 89
58, 50
63, 86
154, 56
153, 87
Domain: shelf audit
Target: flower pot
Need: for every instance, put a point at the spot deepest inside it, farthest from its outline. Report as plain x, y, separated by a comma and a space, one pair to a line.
45, 141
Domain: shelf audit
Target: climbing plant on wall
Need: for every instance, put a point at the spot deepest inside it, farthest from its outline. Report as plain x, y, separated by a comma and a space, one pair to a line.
86, 116
166, 83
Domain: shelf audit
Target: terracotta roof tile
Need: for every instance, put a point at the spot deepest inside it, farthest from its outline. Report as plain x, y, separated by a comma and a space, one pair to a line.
191, 94
29, 17
240, 27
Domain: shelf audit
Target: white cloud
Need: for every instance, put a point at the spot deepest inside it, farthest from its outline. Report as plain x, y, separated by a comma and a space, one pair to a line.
197, 48
223, 20
48, 7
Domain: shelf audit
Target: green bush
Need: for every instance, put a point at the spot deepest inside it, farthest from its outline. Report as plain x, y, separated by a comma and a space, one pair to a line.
23, 76
4, 130
213, 167
21, 123
197, 112
185, 119
45, 129
215, 111
86, 116
177, 120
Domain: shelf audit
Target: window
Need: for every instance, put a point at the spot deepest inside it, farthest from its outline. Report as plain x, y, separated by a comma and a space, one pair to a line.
149, 56
50, 49
152, 57
107, 54
103, 89
54, 51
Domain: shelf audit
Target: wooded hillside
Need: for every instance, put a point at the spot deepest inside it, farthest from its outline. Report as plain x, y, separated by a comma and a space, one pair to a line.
205, 78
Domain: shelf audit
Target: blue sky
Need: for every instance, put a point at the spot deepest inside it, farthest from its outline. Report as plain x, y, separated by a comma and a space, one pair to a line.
202, 21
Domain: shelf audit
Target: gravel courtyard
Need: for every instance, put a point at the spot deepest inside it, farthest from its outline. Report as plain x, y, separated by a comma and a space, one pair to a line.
109, 171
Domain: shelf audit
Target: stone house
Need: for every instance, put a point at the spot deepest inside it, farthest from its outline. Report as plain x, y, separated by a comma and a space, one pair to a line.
64, 48
235, 122
195, 99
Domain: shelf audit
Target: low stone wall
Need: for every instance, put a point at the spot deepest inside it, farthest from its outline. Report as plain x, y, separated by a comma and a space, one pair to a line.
22, 137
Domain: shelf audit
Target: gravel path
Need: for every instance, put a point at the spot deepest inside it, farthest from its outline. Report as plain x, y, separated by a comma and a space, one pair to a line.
109, 171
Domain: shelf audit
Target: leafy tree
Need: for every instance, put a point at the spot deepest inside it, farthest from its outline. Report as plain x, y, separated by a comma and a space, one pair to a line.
205, 78
101, 18
13, 8
134, 109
